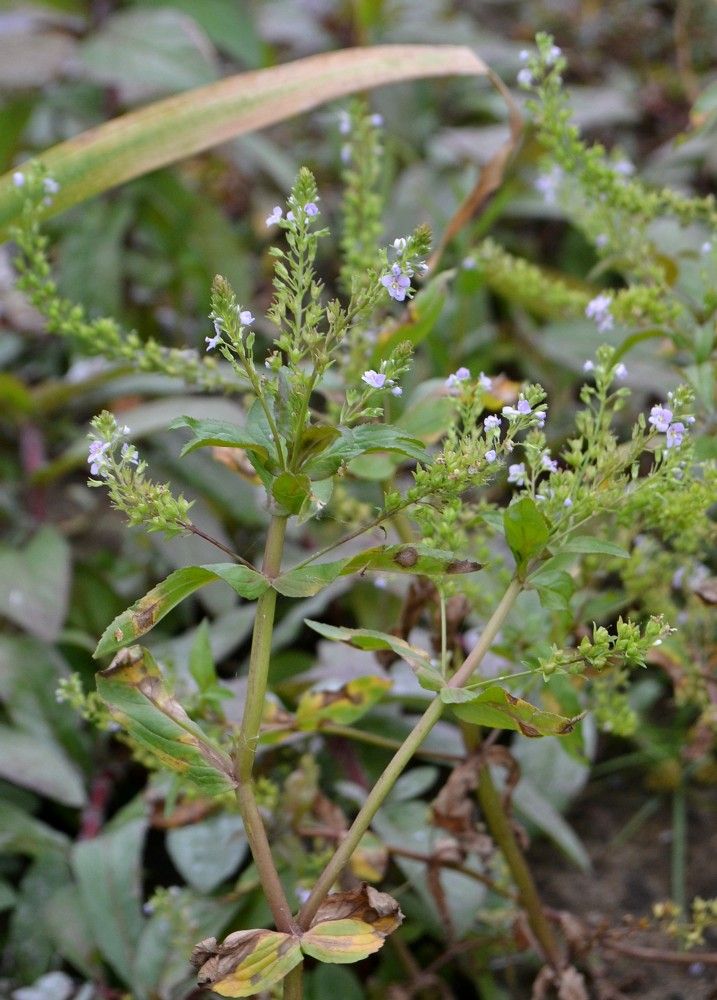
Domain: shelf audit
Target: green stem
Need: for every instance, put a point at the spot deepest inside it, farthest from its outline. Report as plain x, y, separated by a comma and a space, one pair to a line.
679, 849
249, 732
502, 833
399, 761
293, 983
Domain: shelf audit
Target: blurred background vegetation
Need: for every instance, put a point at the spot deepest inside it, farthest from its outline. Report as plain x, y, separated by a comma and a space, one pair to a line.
78, 851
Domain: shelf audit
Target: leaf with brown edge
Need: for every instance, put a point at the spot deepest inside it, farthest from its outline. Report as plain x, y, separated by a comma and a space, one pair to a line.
342, 706
133, 689
180, 126
378, 909
246, 962
499, 709
160, 600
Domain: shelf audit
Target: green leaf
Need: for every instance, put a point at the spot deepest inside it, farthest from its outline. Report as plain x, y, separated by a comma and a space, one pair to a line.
134, 691
343, 706
304, 581
291, 491
201, 661
35, 584
108, 869
183, 125
40, 764
221, 433
526, 530
497, 708
341, 941
159, 601
364, 440
364, 638
246, 962
594, 546
555, 588
208, 852
21, 833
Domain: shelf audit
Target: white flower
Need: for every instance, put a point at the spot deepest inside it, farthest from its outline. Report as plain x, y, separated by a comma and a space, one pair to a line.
588, 366
491, 422
621, 371
516, 474
276, 214
399, 243
524, 55
397, 391
490, 456
485, 383
525, 77
554, 53
548, 463
706, 247
549, 184
245, 317
50, 185
18, 179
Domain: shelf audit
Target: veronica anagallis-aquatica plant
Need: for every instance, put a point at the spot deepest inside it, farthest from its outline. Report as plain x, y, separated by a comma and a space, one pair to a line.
317, 401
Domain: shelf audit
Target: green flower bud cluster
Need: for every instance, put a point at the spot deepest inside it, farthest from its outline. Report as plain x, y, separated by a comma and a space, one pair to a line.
101, 337
116, 465
689, 932
362, 156
525, 284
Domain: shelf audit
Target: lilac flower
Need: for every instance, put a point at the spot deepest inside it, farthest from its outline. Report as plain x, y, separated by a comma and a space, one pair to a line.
290, 216
469, 263
491, 422
540, 418
599, 310
344, 122
516, 474
376, 120
485, 383
397, 391
461, 375
660, 418
706, 247
490, 456
50, 185
621, 371
396, 283
567, 502
554, 53
525, 77
246, 318
601, 240
375, 379
276, 214
311, 209
18, 179
549, 184
624, 168
399, 243
548, 463
523, 405
588, 366
675, 435
524, 55
97, 456
346, 153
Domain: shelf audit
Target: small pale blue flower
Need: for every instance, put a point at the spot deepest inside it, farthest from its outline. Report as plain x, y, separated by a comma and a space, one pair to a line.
660, 418
276, 214
375, 379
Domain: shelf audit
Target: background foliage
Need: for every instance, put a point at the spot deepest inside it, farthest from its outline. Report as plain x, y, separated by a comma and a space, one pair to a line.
105, 881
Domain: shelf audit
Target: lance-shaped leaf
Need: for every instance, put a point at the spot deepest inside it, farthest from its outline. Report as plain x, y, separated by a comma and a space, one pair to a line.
499, 709
362, 441
369, 639
246, 962
180, 126
222, 433
351, 925
343, 706
133, 689
305, 581
159, 601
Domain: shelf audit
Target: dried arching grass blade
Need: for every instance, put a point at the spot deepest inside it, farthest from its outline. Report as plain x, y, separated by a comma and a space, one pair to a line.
180, 126
491, 176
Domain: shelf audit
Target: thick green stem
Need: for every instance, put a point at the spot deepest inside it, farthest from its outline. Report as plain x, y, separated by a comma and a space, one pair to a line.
399, 761
249, 732
502, 833
293, 983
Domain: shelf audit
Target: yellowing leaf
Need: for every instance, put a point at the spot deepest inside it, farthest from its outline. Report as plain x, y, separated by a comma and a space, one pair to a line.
499, 709
370, 859
134, 691
343, 706
341, 941
246, 962
378, 909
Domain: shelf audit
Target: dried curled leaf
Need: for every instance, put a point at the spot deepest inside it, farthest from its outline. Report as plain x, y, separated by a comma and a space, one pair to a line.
133, 689
379, 909
246, 962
